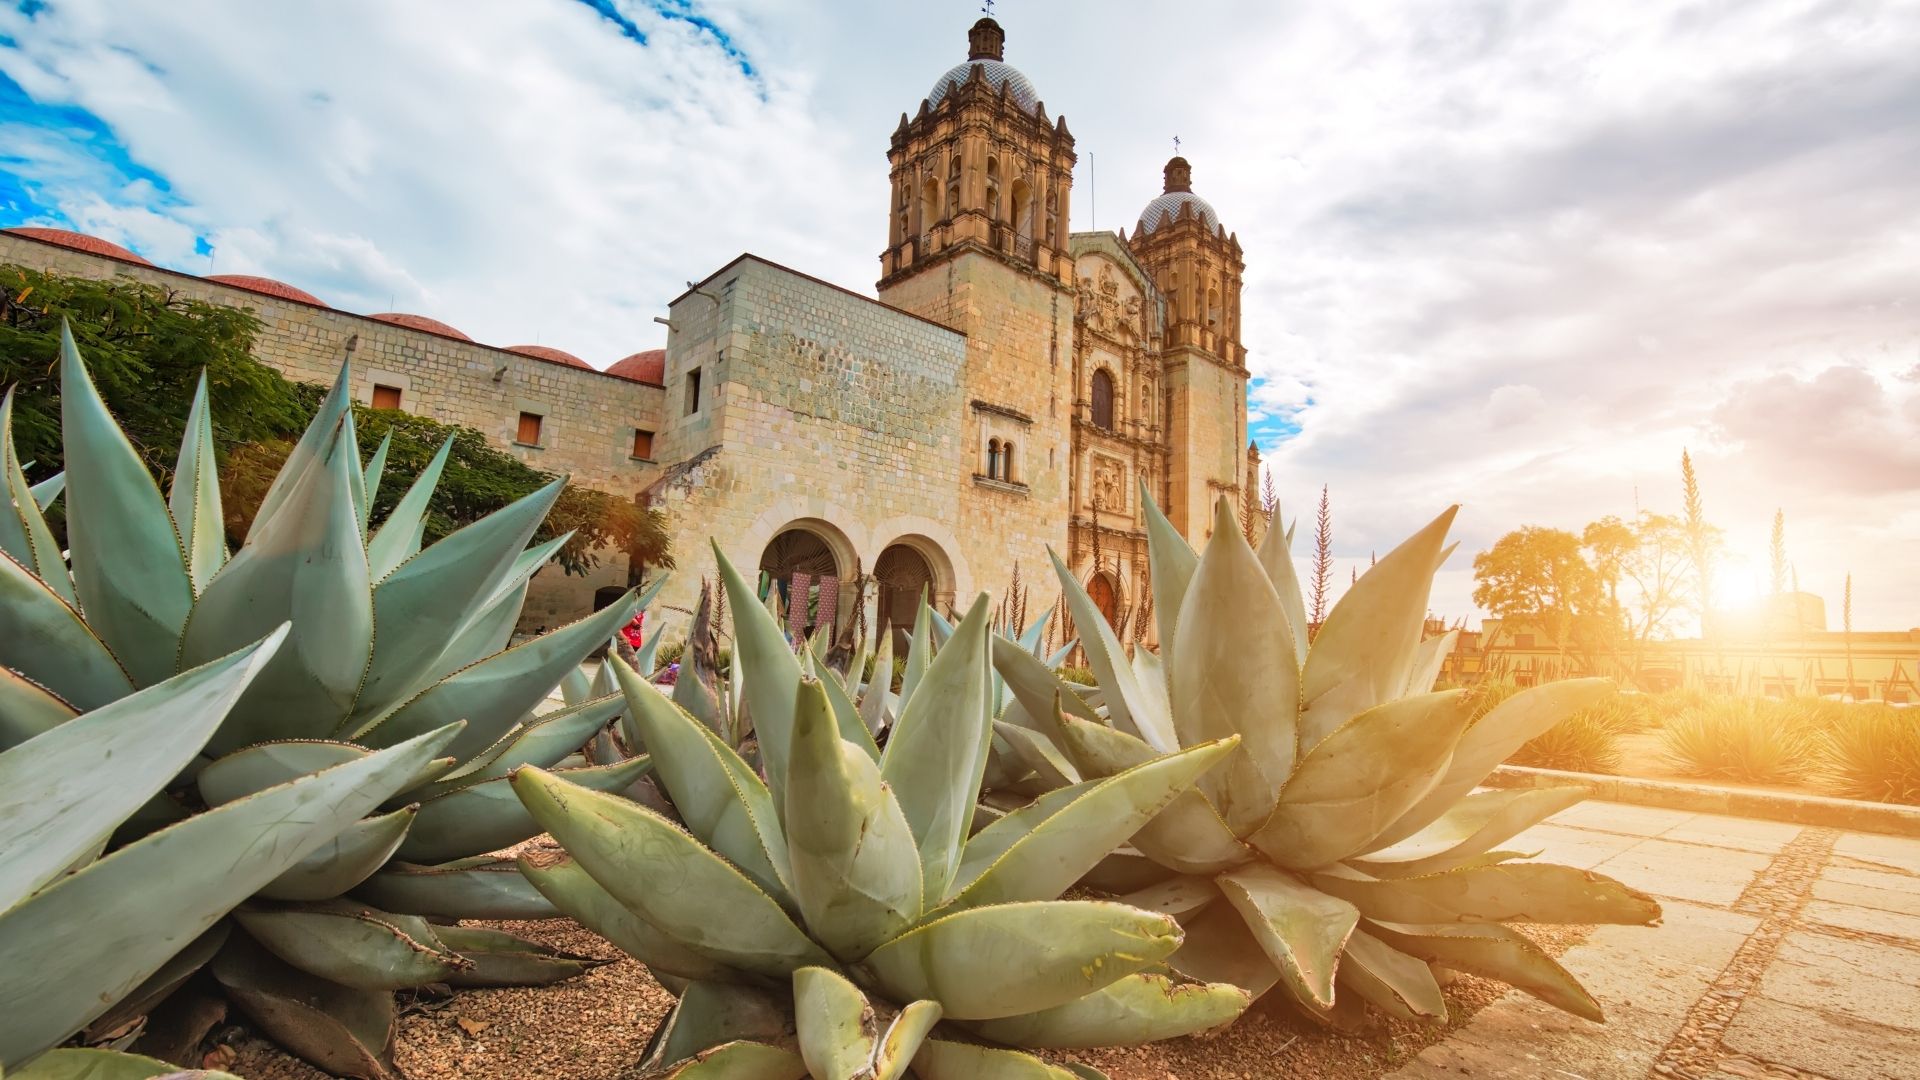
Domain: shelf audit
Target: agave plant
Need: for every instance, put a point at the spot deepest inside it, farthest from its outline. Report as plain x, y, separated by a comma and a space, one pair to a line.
1342, 851
149, 588
844, 886
123, 929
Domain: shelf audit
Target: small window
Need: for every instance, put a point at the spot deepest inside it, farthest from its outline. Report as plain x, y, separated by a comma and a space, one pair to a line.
993, 459
386, 397
1006, 462
1103, 400
693, 391
643, 444
529, 433
1523, 641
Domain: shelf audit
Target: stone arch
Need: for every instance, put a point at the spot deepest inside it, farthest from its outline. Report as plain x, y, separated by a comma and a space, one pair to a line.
818, 549
1101, 393
903, 564
1103, 588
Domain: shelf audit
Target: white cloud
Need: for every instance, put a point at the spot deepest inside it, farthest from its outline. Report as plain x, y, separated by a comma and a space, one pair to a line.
1511, 254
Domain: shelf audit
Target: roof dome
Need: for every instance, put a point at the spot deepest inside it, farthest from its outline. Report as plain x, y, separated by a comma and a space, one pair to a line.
986, 50
266, 287
647, 367
419, 322
67, 238
541, 352
1178, 196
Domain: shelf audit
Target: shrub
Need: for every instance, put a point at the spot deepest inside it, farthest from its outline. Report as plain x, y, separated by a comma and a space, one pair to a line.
1488, 693
1741, 739
1588, 741
1873, 752
1080, 675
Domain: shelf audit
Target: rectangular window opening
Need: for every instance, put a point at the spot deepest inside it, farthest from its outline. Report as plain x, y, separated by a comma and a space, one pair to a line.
529, 433
385, 397
643, 444
693, 391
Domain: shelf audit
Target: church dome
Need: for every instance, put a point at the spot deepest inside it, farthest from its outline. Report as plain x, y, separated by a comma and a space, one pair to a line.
557, 356
67, 238
265, 287
1178, 196
647, 367
986, 48
419, 322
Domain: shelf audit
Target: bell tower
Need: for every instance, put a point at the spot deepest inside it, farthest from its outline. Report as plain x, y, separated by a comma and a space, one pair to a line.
1197, 265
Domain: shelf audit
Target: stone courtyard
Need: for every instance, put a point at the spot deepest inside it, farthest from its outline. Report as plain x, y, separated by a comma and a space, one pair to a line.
1787, 951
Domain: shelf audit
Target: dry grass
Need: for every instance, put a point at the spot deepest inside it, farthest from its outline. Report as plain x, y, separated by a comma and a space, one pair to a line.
1746, 740
1873, 752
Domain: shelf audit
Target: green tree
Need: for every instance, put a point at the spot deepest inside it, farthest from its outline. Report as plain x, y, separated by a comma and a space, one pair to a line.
1647, 560
1540, 577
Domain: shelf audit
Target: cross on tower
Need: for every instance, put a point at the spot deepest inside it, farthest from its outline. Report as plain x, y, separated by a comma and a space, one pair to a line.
986, 8
1176, 146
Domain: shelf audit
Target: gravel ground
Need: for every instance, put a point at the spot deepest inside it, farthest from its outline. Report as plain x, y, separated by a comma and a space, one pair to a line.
594, 1028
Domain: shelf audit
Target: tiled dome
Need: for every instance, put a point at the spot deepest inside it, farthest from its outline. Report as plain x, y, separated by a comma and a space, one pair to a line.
1170, 204
266, 287
67, 238
997, 73
419, 322
647, 367
541, 352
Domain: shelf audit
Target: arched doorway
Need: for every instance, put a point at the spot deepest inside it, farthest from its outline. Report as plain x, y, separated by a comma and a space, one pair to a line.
801, 567
1105, 596
901, 574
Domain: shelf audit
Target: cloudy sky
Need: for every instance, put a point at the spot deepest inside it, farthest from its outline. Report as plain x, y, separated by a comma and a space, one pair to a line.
1512, 254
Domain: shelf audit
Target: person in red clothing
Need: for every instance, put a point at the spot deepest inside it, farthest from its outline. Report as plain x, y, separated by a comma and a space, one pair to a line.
631, 636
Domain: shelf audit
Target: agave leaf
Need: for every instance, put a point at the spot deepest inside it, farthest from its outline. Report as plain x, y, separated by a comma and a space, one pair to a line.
483, 887
28, 709
1151, 673
1219, 948
568, 886
985, 847
903, 1038
1172, 562
502, 959
1008, 959
919, 650
345, 1031
353, 946
1033, 685
1232, 672
1047, 860
86, 1063
303, 564
1373, 633
376, 471
742, 1059
846, 714
135, 909
1493, 739
1475, 825
1333, 710
487, 816
1427, 661
696, 689
1138, 1009
23, 531
344, 861
722, 801
1506, 892
128, 570
856, 872
1179, 897
542, 742
49, 489
195, 497
1189, 835
1128, 706
835, 1025
1393, 981
400, 536
262, 765
1494, 952
425, 601
877, 702
1360, 779
492, 695
1036, 752
710, 1015
1276, 558
492, 629
937, 754
1301, 929
48, 641
943, 1059
162, 983
772, 675
63, 793
667, 877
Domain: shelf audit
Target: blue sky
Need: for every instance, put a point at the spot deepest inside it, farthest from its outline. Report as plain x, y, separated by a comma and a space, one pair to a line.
1512, 254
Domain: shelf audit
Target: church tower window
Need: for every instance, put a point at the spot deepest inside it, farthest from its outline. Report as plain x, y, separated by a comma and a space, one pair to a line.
993, 190
993, 458
953, 186
1006, 462
1052, 235
1103, 400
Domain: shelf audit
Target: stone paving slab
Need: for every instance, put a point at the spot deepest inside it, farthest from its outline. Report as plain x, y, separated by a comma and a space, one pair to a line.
1788, 952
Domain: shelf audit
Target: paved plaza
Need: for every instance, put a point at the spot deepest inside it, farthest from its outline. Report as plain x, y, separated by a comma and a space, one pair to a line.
1787, 951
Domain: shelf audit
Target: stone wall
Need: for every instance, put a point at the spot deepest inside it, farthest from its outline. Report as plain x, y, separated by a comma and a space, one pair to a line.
588, 418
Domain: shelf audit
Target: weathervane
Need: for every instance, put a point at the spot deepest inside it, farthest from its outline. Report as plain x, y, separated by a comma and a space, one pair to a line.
1176, 138
987, 7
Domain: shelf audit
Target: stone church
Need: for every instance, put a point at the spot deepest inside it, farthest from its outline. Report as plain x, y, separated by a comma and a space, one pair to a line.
1007, 392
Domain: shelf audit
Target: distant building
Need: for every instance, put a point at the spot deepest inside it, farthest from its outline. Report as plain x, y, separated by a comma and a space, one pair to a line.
1784, 651
1008, 391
